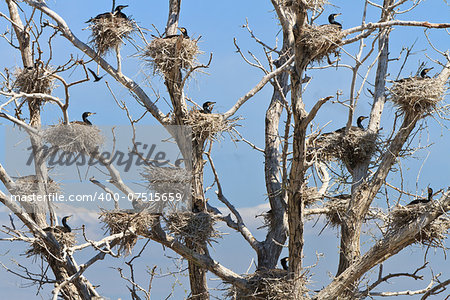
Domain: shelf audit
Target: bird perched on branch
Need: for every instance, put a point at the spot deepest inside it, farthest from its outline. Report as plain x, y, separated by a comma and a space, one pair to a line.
207, 107
421, 200
116, 13
85, 121
183, 31
332, 21
284, 264
65, 228
96, 77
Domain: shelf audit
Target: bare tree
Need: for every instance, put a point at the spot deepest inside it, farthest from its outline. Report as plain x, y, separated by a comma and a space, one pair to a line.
359, 160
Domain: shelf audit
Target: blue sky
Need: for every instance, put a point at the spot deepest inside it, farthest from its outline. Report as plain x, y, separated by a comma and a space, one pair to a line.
240, 168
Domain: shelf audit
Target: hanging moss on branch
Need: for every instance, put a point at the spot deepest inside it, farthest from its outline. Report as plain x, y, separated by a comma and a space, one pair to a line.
194, 227
317, 42
74, 138
109, 33
417, 95
132, 224
164, 54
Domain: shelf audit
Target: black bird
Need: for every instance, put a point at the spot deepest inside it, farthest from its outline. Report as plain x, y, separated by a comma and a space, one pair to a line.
118, 12
183, 32
284, 264
207, 107
332, 21
85, 121
108, 15
420, 200
358, 123
96, 78
424, 72
65, 228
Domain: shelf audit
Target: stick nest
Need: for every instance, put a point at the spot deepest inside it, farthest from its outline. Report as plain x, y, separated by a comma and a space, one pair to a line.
417, 95
165, 55
266, 284
309, 4
29, 185
74, 138
41, 247
317, 42
208, 126
196, 228
109, 33
432, 235
167, 179
36, 80
353, 148
337, 209
132, 224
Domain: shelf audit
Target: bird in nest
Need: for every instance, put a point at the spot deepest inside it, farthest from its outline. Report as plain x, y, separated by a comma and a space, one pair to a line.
423, 75
284, 263
421, 200
332, 21
85, 121
65, 228
183, 31
358, 127
108, 15
207, 107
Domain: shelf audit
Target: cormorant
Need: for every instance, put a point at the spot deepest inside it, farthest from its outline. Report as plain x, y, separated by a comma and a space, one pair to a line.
117, 13
417, 201
284, 264
332, 21
85, 121
207, 107
424, 72
65, 228
96, 78
358, 122
183, 32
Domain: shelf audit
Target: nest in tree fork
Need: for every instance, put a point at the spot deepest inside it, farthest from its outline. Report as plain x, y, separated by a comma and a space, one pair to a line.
337, 209
417, 95
208, 126
35, 80
196, 228
432, 234
165, 54
266, 284
352, 148
29, 185
109, 33
74, 138
132, 224
42, 247
317, 42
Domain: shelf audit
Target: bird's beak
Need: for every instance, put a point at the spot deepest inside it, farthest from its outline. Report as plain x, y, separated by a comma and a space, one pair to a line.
68, 217
364, 117
124, 6
92, 114
338, 14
